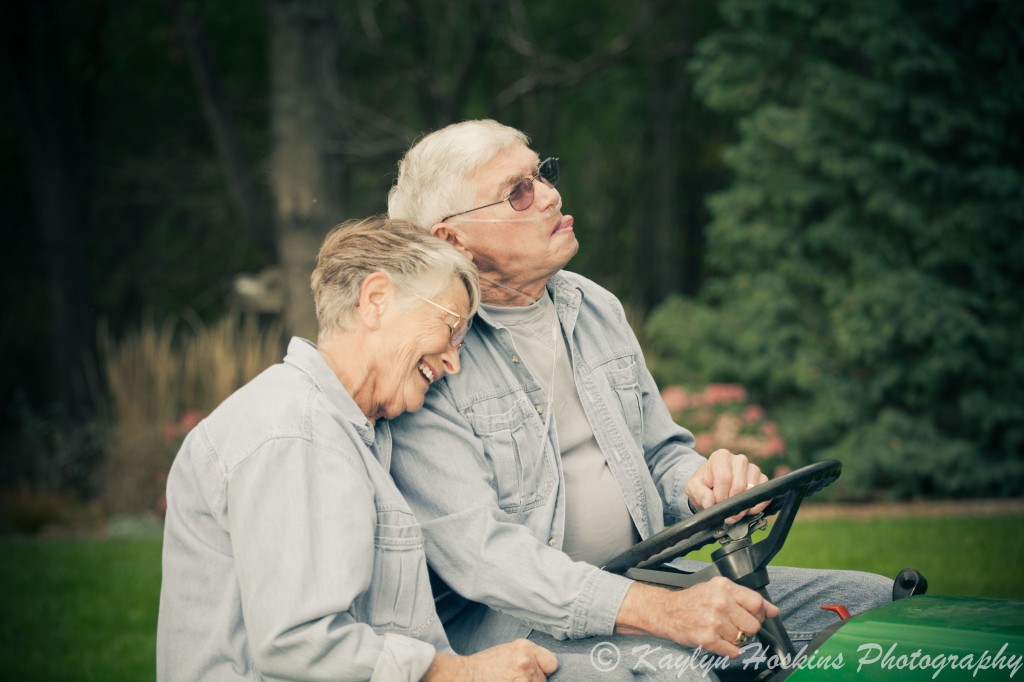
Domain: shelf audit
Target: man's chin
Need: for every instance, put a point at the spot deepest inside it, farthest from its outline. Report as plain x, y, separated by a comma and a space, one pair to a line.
571, 248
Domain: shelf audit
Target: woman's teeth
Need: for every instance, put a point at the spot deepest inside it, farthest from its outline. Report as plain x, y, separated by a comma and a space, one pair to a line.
426, 372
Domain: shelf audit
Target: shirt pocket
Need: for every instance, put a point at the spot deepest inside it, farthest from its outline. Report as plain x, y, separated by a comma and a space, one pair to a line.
513, 449
623, 379
399, 599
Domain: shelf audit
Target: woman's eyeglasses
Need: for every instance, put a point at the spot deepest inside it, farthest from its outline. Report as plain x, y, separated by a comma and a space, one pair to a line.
521, 195
459, 330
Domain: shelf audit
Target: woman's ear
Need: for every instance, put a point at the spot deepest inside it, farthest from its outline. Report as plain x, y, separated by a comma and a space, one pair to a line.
447, 232
375, 295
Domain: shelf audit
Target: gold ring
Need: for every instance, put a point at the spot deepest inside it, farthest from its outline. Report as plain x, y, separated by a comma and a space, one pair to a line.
741, 638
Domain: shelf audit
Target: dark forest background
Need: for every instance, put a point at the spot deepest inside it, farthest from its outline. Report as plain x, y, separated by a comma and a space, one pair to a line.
822, 201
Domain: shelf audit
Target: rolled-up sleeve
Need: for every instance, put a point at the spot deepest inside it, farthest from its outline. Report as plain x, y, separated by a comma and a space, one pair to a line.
668, 450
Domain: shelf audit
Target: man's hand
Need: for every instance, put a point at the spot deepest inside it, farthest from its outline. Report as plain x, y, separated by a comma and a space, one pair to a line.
721, 477
710, 615
518, 661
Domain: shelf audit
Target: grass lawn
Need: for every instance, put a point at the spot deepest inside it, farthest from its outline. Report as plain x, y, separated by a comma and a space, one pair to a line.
86, 609
82, 610
974, 557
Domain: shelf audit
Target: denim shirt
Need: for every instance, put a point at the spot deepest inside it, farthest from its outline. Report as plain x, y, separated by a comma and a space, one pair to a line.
486, 483
288, 551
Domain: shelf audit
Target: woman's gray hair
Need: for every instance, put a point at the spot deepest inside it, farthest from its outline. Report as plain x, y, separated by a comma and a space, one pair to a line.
431, 183
414, 261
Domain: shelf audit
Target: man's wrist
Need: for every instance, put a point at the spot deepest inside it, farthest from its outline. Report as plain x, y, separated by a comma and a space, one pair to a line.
631, 619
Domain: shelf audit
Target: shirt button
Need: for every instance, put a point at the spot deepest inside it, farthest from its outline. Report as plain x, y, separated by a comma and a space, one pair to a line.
552, 542
515, 359
540, 409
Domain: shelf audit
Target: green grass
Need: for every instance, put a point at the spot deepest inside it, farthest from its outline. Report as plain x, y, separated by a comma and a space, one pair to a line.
976, 557
86, 610
79, 610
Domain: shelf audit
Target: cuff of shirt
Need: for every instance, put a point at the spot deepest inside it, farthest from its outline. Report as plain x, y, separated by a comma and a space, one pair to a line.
598, 605
402, 659
678, 504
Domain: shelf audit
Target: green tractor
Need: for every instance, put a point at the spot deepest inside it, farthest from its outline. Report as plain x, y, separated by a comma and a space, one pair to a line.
915, 637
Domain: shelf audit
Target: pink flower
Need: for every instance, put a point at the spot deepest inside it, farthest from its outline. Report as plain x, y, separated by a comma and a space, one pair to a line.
190, 419
752, 413
720, 418
676, 399
703, 417
704, 442
180, 428
781, 470
773, 447
725, 393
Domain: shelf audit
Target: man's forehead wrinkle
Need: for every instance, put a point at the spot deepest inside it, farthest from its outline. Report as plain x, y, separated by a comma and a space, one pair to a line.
511, 180
517, 176
499, 188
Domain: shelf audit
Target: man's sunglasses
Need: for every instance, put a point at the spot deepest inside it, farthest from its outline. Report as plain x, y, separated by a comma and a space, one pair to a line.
520, 197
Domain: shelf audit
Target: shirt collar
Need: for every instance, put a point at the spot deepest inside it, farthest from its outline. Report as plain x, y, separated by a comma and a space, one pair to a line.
304, 356
561, 290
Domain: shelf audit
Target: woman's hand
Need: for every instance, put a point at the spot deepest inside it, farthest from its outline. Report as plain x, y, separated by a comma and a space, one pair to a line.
518, 661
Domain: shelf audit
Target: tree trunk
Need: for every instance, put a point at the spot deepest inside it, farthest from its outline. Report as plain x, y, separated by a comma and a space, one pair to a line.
658, 262
306, 176
222, 129
41, 100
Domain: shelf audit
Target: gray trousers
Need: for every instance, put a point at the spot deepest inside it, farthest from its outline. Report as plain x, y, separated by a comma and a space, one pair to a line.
798, 592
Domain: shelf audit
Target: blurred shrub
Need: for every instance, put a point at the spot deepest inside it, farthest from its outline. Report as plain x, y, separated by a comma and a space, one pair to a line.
142, 375
721, 416
49, 451
25, 509
28, 511
160, 381
887, 450
864, 265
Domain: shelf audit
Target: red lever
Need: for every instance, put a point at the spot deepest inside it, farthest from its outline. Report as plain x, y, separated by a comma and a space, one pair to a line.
838, 609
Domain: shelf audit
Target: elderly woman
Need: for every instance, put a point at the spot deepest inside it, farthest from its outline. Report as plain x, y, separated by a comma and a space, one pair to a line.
288, 551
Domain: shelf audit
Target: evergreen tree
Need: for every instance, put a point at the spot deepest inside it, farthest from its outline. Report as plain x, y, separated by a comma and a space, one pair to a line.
864, 267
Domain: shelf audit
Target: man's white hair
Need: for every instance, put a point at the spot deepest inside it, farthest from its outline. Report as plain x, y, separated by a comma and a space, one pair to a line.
432, 176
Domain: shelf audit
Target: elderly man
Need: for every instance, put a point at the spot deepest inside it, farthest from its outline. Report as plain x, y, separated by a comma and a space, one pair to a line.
552, 452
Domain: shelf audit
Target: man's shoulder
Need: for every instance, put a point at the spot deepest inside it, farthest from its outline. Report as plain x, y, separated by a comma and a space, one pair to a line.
597, 301
587, 286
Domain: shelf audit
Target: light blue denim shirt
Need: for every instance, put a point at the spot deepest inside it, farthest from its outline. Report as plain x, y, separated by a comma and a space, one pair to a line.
486, 482
288, 551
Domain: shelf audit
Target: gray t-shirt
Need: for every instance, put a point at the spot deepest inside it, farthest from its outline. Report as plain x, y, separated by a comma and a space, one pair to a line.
597, 523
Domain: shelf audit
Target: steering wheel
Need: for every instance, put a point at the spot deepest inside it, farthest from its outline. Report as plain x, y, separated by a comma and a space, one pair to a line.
739, 558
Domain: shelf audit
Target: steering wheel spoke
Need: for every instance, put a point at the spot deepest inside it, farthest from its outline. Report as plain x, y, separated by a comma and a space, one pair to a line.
739, 558
786, 492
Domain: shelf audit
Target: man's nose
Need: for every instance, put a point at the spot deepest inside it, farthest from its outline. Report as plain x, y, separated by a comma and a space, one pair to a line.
545, 195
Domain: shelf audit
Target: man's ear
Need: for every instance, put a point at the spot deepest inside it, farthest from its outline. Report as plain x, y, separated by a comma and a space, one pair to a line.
447, 232
375, 295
